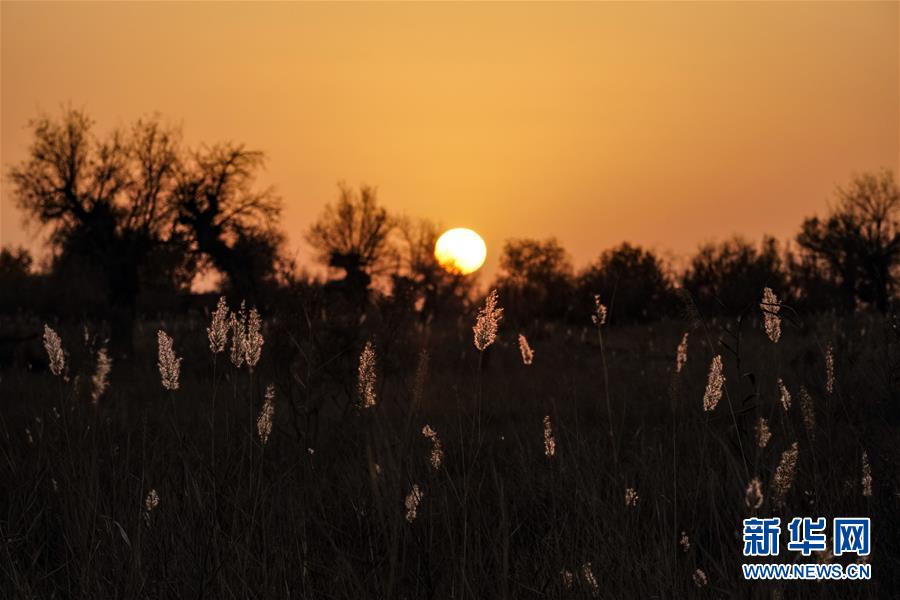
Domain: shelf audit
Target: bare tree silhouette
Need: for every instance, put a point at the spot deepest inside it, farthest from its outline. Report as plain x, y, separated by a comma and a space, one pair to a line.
104, 199
353, 235
132, 210
859, 241
226, 219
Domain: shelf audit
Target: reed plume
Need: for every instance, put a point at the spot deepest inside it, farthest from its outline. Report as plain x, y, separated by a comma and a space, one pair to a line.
252, 342
685, 542
587, 573
714, 384
784, 395
487, 322
866, 476
600, 312
829, 369
150, 503
784, 474
100, 379
237, 323
549, 440
631, 497
808, 410
413, 498
770, 308
753, 495
437, 450
217, 332
366, 376
264, 420
55, 352
169, 364
700, 578
763, 435
681, 355
525, 350
568, 579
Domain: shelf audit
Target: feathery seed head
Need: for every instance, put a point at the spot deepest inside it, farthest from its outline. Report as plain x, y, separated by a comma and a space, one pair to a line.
150, 503
437, 450
100, 379
770, 308
549, 440
366, 376
700, 578
525, 350
487, 322
169, 364
568, 579
753, 495
53, 346
264, 420
808, 410
599, 316
866, 476
237, 323
218, 327
784, 474
252, 342
763, 435
413, 498
784, 395
714, 384
681, 357
684, 542
590, 580
631, 497
829, 369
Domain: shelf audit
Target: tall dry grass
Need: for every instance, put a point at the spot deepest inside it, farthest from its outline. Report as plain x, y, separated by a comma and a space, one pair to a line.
224, 486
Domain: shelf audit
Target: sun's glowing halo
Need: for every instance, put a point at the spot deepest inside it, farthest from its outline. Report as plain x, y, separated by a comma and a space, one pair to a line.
460, 250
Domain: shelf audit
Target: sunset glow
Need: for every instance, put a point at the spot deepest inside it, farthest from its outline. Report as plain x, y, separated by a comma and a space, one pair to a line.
253, 238
664, 124
460, 250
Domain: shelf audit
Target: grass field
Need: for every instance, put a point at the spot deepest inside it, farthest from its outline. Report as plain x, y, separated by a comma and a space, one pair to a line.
642, 495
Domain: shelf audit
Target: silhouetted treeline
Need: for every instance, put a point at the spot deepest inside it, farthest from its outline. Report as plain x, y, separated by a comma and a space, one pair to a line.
135, 218
134, 212
847, 260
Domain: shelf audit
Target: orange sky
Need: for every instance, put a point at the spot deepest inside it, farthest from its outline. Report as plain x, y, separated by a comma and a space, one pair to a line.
666, 124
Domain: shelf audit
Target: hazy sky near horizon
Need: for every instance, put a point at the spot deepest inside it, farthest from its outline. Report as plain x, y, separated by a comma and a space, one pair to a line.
666, 124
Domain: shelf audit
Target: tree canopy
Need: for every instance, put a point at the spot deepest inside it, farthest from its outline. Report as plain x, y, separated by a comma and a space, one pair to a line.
135, 202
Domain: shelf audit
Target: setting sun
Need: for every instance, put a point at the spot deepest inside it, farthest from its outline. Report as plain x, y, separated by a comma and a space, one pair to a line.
460, 250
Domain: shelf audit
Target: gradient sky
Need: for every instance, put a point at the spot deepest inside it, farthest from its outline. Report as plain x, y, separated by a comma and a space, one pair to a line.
667, 124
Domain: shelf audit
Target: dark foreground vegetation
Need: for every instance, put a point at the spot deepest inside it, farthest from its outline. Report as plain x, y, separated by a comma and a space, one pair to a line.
320, 509
134, 220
